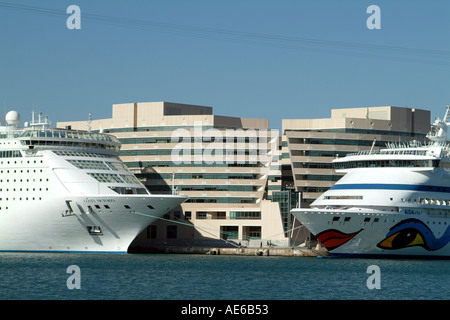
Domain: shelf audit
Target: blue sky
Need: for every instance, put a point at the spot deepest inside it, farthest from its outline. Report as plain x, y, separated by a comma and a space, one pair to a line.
248, 58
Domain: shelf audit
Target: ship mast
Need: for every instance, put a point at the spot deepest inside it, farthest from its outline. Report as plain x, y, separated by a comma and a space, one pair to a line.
43, 123
438, 133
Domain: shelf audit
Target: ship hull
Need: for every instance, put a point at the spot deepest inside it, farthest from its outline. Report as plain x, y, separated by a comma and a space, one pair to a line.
378, 234
81, 223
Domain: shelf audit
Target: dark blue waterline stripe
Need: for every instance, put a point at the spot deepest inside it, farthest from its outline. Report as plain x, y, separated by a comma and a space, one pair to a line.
387, 186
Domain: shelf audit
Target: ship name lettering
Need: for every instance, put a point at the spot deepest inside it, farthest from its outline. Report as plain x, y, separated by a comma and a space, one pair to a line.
411, 211
99, 200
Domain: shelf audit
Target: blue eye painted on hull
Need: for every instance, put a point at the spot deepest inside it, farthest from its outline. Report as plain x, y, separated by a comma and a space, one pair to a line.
413, 232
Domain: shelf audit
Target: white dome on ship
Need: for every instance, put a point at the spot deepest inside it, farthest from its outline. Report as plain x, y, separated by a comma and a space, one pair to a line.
12, 118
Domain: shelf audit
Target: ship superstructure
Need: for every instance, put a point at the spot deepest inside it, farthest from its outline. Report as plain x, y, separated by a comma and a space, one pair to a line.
393, 202
64, 190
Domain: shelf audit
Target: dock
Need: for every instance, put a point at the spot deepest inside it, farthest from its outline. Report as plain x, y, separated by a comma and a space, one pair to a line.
242, 251
286, 252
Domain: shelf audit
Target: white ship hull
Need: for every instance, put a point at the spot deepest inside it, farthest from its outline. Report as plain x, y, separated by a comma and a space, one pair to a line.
64, 190
377, 234
90, 227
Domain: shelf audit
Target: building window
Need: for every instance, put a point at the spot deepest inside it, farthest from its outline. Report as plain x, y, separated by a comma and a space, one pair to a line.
151, 232
229, 232
245, 214
251, 232
171, 232
201, 215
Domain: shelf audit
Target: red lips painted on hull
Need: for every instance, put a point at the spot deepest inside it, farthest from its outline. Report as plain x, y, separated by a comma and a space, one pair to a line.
333, 238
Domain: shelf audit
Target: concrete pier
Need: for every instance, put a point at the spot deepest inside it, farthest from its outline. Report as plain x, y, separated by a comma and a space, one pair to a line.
286, 252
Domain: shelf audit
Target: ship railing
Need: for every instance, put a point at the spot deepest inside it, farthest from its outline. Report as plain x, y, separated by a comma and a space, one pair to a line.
390, 152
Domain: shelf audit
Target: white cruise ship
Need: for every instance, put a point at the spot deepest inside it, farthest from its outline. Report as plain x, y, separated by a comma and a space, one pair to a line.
394, 202
65, 190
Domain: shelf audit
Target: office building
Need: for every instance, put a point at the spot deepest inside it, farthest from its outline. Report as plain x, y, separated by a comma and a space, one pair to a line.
222, 163
242, 179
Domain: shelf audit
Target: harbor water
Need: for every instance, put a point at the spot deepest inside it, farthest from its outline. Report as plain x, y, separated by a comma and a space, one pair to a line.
60, 276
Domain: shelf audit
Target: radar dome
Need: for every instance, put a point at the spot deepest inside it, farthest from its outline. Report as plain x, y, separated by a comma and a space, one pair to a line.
12, 118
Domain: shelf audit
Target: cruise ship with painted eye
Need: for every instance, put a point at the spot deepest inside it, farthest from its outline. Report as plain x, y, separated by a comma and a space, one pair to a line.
64, 190
393, 202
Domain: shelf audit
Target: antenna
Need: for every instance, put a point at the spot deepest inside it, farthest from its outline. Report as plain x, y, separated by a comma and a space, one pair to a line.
373, 145
4, 108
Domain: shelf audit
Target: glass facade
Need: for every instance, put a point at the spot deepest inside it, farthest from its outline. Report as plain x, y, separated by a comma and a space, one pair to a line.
287, 200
